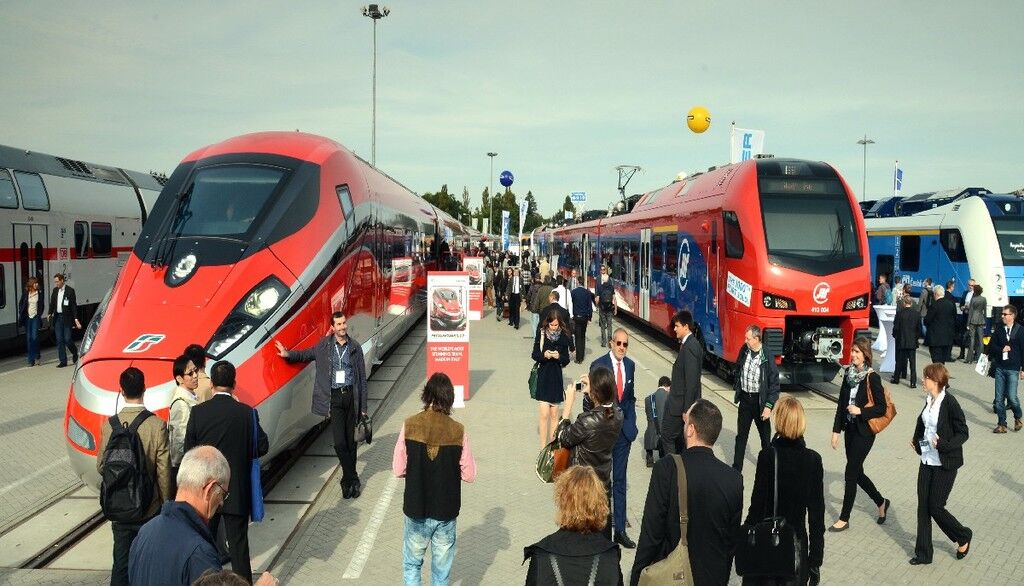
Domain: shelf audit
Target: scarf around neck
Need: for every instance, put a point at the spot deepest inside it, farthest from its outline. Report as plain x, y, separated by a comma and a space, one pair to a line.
855, 375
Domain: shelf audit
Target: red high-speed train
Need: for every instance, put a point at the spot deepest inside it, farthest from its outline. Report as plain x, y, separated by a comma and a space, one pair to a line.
254, 239
777, 243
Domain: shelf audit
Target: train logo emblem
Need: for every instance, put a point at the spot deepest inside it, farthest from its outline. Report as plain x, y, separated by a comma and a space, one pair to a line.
143, 343
821, 292
684, 263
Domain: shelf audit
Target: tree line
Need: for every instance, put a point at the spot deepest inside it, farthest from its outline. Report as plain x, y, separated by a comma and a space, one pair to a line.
462, 210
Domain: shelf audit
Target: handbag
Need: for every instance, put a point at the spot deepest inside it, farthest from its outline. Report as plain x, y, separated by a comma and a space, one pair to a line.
533, 375
256, 510
877, 424
769, 548
674, 569
364, 430
552, 460
982, 366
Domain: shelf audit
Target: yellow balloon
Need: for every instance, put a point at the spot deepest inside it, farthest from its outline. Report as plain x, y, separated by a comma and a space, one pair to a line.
698, 119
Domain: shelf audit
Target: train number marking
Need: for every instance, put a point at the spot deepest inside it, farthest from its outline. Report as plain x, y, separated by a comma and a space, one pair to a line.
143, 343
821, 291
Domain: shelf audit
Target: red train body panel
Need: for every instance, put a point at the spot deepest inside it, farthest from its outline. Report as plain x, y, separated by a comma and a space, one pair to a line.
774, 243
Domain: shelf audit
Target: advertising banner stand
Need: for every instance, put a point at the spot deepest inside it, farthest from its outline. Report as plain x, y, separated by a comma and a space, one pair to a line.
448, 329
474, 266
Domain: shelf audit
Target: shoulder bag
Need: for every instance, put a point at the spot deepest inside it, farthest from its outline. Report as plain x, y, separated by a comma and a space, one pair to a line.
769, 548
256, 510
877, 424
675, 569
533, 374
553, 459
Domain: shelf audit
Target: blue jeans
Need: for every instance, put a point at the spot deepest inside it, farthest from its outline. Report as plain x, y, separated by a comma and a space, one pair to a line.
1006, 391
62, 329
441, 537
32, 339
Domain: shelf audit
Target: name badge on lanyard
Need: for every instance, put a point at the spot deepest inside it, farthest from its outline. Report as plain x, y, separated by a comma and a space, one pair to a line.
339, 375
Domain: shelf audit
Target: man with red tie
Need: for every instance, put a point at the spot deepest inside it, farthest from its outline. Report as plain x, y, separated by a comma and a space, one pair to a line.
623, 368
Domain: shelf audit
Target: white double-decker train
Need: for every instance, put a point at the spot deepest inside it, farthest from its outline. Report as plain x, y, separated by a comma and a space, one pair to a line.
59, 215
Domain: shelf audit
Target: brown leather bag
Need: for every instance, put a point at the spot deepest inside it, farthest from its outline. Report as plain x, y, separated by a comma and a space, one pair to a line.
561, 462
877, 424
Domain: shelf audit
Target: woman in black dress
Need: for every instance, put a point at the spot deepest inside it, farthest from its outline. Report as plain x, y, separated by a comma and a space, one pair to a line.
939, 439
551, 352
852, 421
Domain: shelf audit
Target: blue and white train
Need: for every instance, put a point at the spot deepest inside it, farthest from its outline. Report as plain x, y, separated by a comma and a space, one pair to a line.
954, 234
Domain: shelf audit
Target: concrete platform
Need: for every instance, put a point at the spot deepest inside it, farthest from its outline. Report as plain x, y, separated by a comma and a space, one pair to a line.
29, 538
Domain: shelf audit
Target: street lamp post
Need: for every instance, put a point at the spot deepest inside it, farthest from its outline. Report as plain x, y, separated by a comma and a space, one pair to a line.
490, 214
864, 185
374, 12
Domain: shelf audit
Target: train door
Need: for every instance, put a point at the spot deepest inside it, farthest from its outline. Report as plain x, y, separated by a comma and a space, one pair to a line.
30, 242
584, 274
645, 274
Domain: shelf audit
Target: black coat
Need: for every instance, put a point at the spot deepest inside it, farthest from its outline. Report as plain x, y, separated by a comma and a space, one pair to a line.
952, 431
906, 328
549, 375
998, 341
685, 378
70, 303
23, 307
941, 322
714, 506
574, 553
801, 493
590, 439
226, 424
860, 421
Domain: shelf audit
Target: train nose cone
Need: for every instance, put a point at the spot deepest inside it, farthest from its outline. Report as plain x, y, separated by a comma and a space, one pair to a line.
95, 396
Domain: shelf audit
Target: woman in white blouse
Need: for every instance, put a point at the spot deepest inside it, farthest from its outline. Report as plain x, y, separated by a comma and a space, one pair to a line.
938, 438
30, 316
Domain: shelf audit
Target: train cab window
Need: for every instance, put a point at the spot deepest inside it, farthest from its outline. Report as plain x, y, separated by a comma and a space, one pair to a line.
81, 240
101, 239
672, 253
733, 235
33, 192
910, 253
225, 200
953, 244
8, 197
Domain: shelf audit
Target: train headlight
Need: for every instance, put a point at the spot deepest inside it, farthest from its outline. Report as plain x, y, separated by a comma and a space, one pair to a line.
79, 436
182, 270
855, 303
773, 301
254, 308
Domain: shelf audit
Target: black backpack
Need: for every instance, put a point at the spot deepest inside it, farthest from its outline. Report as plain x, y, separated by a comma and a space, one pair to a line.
607, 297
126, 490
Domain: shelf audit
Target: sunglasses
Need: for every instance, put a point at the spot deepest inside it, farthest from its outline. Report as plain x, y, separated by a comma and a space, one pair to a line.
191, 372
1007, 314
623, 344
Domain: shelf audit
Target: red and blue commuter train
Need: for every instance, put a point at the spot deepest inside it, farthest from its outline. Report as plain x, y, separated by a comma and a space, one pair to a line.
255, 239
777, 243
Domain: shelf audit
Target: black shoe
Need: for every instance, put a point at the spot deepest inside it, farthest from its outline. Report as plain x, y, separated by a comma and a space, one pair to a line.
834, 529
894, 381
622, 539
62, 365
916, 561
913, 385
887, 505
346, 489
74, 359
962, 554
357, 488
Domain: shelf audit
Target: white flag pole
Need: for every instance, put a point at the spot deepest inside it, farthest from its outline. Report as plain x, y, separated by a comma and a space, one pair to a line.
895, 179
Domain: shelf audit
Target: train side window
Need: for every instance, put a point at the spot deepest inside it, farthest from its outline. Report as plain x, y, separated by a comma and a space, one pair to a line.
345, 199
39, 262
8, 197
33, 192
81, 240
672, 253
101, 243
733, 235
657, 258
3, 287
23, 262
910, 253
953, 244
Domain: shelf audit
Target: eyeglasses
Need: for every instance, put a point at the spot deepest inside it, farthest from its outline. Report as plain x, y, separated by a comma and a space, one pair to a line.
623, 344
224, 490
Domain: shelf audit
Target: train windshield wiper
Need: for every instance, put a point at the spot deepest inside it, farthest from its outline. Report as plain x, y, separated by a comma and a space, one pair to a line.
168, 236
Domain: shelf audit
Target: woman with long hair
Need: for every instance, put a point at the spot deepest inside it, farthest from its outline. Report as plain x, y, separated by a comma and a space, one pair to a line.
592, 436
30, 315
551, 352
851, 420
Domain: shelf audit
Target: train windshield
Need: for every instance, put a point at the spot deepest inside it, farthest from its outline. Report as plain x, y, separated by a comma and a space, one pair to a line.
1010, 234
809, 225
225, 200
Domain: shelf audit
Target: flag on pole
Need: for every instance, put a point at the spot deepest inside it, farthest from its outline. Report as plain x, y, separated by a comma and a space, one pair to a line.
897, 180
745, 144
504, 229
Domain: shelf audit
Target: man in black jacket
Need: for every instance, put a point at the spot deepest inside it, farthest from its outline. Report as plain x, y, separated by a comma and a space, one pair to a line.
1006, 350
64, 313
714, 504
227, 424
906, 329
756, 391
941, 326
583, 304
685, 382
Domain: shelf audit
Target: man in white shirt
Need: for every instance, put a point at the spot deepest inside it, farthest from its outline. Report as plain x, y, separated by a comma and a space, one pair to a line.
564, 299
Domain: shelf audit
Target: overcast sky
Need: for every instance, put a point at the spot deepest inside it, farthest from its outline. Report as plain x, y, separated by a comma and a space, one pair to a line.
563, 91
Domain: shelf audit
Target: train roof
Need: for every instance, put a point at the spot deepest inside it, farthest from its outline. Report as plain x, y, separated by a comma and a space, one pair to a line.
45, 164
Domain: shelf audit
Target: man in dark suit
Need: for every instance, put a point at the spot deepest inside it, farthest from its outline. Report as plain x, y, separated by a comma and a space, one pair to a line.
64, 314
685, 382
583, 304
906, 328
227, 424
941, 326
624, 370
714, 504
1006, 351
654, 406
756, 391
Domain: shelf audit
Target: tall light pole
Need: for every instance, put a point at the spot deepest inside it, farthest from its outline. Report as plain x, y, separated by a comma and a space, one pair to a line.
374, 12
864, 185
490, 214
